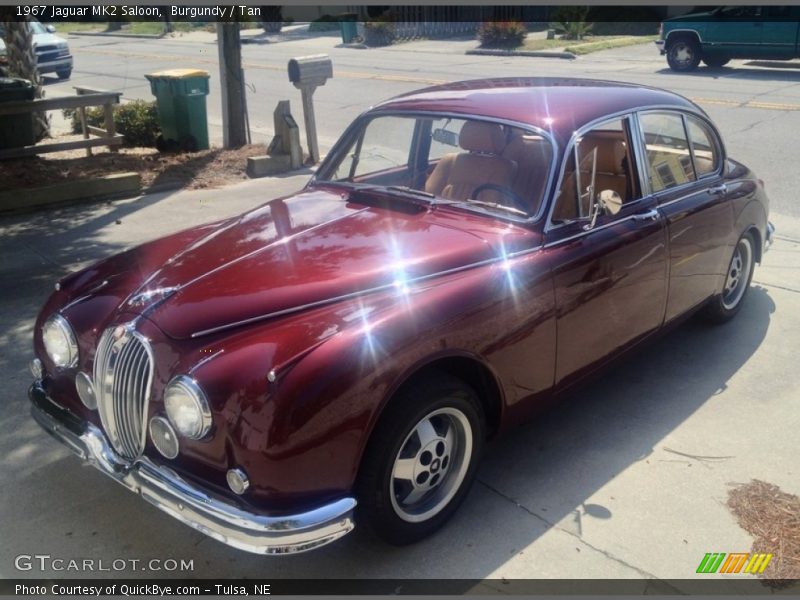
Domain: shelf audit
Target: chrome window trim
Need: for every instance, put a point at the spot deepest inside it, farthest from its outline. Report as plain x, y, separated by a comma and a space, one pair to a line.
581, 234
683, 112
549, 225
716, 140
343, 143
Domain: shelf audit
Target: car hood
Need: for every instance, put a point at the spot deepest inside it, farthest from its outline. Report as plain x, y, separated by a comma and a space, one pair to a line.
48, 39
308, 249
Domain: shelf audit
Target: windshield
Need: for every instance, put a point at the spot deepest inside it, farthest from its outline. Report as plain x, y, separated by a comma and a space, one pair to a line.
478, 163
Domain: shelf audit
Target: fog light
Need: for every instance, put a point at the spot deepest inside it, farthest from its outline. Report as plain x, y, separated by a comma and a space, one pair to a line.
85, 387
36, 368
163, 436
238, 482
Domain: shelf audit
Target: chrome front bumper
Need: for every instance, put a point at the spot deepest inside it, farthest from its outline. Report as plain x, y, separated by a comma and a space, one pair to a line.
160, 486
660, 45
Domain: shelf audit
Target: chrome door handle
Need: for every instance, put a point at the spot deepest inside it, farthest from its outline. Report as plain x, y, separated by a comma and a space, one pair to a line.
650, 215
718, 190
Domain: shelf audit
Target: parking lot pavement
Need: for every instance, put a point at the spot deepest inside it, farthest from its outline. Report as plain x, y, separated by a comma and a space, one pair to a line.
627, 478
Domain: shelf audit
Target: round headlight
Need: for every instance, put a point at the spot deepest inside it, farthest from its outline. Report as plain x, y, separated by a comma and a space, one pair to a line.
59, 342
187, 407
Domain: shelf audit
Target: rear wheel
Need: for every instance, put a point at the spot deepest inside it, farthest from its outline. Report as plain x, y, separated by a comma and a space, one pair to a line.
421, 459
726, 304
683, 54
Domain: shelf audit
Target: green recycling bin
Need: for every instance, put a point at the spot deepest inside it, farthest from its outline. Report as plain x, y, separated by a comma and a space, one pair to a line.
348, 26
16, 130
181, 101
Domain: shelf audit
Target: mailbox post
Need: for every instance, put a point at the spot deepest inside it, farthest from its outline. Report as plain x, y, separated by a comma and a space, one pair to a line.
306, 73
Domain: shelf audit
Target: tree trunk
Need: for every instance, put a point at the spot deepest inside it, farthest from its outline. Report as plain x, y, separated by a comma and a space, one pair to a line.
22, 63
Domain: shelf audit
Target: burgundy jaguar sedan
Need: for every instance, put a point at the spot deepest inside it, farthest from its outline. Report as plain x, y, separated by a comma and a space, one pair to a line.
464, 254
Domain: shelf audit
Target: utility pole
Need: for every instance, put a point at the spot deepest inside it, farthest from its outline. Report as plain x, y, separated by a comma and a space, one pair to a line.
234, 134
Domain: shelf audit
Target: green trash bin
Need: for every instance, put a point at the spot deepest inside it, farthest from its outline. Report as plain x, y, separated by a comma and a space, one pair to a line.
348, 26
16, 130
181, 102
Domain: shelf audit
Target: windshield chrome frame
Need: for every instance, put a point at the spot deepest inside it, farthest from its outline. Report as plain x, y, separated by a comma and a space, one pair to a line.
353, 129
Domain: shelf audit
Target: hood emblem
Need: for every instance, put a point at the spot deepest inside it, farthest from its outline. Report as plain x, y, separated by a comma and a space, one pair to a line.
155, 295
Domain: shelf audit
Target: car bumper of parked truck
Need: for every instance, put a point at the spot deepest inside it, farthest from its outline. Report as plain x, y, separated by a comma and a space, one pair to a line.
660, 45
252, 532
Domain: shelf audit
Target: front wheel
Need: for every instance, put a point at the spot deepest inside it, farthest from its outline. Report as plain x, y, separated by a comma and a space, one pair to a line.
726, 304
683, 55
63, 73
421, 459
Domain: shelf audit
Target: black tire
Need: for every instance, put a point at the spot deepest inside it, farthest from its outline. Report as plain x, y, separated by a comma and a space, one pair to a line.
452, 410
727, 303
716, 62
683, 54
63, 73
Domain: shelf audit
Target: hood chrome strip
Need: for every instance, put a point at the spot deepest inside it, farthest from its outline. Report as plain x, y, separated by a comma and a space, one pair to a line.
356, 294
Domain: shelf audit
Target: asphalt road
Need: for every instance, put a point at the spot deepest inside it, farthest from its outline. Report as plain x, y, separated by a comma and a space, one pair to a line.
627, 479
756, 107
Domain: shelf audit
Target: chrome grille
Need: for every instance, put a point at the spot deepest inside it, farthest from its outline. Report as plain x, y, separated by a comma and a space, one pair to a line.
123, 373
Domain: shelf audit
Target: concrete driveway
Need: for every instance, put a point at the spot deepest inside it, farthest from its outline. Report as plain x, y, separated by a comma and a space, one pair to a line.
626, 479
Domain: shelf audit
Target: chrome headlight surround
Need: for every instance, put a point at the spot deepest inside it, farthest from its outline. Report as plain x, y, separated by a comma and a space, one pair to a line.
187, 407
60, 342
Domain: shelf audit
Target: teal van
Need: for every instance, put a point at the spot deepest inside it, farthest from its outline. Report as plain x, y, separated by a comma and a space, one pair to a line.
715, 37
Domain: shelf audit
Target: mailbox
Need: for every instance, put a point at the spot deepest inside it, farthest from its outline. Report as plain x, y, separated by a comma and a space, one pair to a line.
310, 70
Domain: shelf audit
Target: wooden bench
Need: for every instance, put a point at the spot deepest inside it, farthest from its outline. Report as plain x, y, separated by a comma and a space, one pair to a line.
86, 97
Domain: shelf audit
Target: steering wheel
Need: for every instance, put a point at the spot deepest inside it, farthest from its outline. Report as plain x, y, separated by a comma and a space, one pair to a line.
507, 192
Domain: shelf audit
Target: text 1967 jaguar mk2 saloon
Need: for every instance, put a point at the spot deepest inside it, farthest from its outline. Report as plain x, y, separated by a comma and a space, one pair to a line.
463, 255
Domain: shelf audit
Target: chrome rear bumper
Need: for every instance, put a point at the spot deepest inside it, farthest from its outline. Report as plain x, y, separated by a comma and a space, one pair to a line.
160, 486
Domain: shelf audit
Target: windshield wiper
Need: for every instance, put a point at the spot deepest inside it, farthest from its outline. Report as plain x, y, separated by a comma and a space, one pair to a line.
505, 207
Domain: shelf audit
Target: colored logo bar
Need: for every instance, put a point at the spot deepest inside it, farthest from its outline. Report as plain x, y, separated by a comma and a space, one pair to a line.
741, 562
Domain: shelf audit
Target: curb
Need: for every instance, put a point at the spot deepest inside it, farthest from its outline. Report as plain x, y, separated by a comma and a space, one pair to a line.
144, 36
533, 53
110, 187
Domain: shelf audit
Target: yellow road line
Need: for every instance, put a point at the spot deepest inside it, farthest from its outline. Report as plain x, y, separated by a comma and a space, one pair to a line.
396, 78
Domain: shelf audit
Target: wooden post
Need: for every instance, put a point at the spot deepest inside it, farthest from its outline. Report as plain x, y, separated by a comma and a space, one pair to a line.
307, 94
82, 113
111, 129
234, 132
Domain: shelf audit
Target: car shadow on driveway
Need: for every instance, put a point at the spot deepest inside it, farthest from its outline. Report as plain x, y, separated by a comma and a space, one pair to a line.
545, 477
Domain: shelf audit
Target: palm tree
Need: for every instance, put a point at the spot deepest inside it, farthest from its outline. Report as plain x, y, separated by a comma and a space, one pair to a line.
18, 38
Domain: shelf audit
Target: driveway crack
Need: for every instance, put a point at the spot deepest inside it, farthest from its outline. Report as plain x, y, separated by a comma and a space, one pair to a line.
582, 541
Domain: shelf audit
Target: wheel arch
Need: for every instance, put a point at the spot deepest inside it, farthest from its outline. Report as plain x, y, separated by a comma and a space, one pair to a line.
465, 366
677, 34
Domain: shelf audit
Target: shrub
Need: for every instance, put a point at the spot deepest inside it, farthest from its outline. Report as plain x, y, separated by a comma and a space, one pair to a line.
570, 22
502, 34
379, 32
136, 121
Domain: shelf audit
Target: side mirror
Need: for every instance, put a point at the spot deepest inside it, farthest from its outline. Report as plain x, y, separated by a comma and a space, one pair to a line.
50, 28
610, 202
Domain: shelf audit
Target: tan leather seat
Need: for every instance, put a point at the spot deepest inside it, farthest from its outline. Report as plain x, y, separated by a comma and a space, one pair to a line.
533, 154
610, 173
458, 174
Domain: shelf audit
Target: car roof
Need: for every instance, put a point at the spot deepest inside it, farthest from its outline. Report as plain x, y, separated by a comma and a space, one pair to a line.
560, 105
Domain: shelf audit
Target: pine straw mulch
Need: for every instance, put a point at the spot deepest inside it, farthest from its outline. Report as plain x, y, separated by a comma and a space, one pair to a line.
198, 170
772, 517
